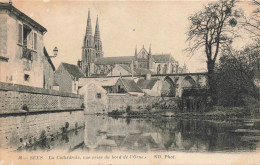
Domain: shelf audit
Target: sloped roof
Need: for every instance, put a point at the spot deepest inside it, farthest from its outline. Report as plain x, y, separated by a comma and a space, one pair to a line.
128, 59
146, 84
108, 81
73, 70
162, 57
48, 58
142, 71
126, 68
130, 85
114, 60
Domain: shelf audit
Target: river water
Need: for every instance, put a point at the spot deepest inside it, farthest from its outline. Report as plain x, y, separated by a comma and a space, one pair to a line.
103, 133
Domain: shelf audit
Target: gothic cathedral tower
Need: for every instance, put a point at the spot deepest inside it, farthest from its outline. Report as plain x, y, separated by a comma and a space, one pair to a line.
91, 49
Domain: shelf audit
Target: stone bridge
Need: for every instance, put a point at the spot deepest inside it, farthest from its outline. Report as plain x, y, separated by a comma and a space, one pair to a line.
173, 84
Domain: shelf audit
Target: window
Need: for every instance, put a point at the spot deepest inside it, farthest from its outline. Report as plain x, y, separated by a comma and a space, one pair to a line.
165, 68
27, 37
158, 69
99, 95
26, 77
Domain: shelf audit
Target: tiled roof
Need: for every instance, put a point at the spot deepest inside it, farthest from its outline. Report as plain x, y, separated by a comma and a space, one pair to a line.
130, 85
73, 70
115, 60
146, 84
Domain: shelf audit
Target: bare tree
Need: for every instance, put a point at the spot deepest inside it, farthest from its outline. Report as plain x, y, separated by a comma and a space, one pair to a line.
210, 29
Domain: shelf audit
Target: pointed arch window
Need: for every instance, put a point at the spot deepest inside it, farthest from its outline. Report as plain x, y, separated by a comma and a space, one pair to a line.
159, 69
165, 68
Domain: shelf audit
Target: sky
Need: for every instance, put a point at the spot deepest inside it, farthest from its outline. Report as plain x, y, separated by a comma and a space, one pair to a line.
123, 26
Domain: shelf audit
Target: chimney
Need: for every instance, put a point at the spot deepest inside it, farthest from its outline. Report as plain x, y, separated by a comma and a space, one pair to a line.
10, 2
148, 76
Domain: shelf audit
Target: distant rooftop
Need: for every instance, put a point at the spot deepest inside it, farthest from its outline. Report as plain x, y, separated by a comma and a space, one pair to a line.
73, 70
130, 85
147, 84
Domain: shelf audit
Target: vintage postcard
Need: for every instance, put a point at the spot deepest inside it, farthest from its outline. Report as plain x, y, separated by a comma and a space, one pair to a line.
130, 82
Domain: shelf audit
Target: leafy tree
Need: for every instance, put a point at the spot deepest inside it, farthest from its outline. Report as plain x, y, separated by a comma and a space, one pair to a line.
211, 29
236, 73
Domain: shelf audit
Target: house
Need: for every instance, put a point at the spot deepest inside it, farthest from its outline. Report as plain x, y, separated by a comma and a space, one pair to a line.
67, 76
23, 59
150, 86
107, 83
95, 98
128, 85
114, 84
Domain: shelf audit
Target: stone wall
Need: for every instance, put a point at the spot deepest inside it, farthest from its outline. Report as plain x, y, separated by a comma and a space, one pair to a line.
24, 99
26, 112
121, 101
22, 130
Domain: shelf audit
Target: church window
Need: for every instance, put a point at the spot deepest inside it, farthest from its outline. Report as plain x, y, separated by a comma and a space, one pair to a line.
158, 69
165, 68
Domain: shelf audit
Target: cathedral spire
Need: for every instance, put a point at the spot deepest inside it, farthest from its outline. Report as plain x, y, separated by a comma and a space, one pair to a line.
89, 28
150, 50
97, 33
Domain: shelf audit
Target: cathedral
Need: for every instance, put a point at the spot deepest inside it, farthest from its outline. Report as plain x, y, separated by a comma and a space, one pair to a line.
94, 63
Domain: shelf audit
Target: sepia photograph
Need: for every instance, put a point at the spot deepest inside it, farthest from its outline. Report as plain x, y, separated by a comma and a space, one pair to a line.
130, 82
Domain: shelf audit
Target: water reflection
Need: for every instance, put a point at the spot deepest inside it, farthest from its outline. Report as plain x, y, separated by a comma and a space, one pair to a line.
169, 134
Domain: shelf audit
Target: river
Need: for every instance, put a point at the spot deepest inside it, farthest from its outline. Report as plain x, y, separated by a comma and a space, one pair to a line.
103, 133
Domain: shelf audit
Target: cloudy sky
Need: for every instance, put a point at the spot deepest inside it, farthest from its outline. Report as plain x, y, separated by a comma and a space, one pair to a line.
123, 25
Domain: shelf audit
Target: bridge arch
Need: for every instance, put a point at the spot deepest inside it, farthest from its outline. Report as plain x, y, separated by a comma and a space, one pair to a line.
188, 82
168, 87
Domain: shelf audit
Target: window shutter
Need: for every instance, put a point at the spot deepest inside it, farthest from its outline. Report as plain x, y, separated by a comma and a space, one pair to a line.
35, 41
20, 34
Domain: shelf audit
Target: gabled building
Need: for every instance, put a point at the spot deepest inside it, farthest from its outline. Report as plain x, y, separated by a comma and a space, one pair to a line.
95, 98
107, 83
128, 85
67, 76
23, 59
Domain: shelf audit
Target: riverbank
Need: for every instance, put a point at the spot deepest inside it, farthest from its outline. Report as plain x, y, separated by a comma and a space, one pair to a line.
215, 113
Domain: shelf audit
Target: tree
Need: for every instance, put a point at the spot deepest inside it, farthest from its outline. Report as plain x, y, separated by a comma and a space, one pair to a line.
211, 29
236, 73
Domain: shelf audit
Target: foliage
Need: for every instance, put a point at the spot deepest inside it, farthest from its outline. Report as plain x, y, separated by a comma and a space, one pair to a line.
237, 71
